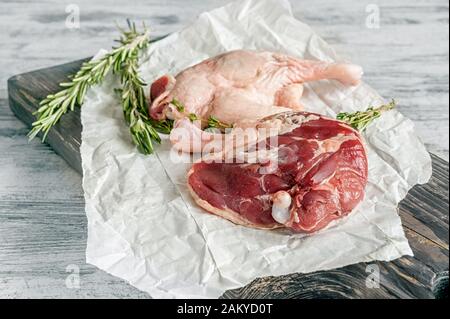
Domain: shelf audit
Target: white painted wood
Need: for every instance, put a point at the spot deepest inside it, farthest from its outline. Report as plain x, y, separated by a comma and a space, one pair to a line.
42, 220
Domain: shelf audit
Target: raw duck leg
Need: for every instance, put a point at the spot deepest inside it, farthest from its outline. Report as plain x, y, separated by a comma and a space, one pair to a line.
265, 78
241, 86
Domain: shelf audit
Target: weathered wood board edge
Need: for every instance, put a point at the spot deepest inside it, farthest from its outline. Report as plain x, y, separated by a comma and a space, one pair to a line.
23, 104
424, 215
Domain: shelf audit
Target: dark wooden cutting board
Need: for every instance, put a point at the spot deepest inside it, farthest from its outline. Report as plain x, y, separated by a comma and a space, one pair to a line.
424, 213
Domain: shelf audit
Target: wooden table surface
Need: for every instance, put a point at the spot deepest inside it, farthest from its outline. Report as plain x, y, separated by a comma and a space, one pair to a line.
42, 219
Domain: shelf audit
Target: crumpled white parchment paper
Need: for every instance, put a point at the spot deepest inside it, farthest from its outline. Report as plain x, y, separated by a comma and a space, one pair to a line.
142, 223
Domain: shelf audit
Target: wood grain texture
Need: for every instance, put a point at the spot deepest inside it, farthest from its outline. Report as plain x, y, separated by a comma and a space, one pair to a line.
42, 219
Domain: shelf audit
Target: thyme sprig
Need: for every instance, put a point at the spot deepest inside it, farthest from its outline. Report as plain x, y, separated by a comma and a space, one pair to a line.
361, 119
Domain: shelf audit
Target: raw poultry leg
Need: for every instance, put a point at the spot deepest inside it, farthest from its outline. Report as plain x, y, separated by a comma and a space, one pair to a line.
265, 79
240, 87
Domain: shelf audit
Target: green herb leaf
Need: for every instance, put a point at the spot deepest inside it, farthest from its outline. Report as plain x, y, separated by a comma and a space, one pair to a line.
180, 107
215, 123
135, 108
91, 73
361, 119
193, 117
164, 127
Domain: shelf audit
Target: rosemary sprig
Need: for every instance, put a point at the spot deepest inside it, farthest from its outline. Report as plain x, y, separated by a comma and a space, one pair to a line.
91, 73
361, 119
144, 130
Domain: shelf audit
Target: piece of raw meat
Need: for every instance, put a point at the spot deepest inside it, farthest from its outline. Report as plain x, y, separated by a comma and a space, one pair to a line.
242, 86
318, 175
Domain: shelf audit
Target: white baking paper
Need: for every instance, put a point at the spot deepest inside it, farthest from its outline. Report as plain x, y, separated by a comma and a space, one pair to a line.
144, 227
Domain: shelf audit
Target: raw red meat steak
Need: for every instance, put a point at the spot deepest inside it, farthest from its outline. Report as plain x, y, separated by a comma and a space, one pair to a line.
321, 174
